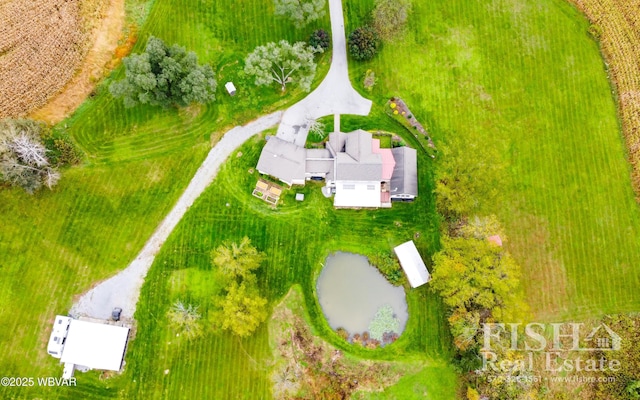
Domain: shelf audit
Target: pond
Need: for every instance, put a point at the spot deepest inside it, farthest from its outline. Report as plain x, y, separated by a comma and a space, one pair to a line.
353, 294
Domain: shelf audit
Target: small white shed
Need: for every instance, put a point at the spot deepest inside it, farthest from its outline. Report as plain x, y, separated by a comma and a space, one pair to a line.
231, 89
412, 264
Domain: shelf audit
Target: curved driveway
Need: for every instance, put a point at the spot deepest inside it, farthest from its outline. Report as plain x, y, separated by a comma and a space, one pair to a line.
333, 96
123, 289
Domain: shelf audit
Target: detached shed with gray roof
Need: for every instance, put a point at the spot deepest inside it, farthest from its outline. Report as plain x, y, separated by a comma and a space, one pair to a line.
404, 181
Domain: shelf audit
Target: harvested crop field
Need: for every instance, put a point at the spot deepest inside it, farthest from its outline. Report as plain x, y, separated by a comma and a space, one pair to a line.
42, 44
616, 23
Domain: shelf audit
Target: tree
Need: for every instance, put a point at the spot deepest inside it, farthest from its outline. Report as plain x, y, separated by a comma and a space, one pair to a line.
23, 157
164, 76
282, 62
237, 260
481, 227
316, 127
468, 176
319, 39
185, 319
363, 43
480, 282
390, 17
243, 310
301, 12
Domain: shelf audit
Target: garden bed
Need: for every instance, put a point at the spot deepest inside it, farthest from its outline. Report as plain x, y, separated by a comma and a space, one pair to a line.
397, 109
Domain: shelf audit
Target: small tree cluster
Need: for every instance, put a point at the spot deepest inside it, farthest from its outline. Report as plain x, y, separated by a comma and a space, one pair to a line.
243, 309
23, 157
479, 281
389, 17
282, 63
363, 43
185, 319
320, 40
301, 12
164, 76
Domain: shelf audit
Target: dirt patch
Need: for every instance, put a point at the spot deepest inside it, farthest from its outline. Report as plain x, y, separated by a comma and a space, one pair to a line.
104, 43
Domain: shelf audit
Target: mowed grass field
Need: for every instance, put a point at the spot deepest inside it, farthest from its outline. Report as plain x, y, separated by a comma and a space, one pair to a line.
522, 77
296, 238
56, 245
524, 81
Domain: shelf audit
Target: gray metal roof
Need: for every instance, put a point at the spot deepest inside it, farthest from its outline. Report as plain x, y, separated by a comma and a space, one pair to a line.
358, 162
405, 174
282, 160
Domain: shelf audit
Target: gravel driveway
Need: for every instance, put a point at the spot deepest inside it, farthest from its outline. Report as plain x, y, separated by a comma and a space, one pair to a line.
123, 289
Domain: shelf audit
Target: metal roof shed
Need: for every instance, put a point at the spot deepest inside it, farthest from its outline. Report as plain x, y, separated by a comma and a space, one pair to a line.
95, 346
412, 264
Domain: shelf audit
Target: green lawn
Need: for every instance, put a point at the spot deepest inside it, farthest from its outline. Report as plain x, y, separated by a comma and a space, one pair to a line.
56, 245
296, 238
522, 77
525, 79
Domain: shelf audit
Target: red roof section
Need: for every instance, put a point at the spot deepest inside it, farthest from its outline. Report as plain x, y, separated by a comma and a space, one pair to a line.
388, 162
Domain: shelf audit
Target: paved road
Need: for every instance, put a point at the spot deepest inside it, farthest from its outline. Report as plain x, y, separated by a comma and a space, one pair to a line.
123, 289
334, 95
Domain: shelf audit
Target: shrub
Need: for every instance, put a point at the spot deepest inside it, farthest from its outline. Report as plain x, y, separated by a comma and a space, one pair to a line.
363, 43
389, 17
319, 39
342, 333
388, 266
61, 148
369, 80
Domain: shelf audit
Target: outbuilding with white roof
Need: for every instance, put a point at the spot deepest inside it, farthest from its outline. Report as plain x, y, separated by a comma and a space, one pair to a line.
412, 264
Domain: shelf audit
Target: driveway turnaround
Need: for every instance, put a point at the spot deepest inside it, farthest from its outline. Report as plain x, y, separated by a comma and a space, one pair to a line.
333, 96
123, 289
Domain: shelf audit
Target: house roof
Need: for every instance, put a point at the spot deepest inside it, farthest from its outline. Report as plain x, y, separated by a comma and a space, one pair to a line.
283, 160
412, 264
94, 345
388, 161
405, 173
355, 158
358, 194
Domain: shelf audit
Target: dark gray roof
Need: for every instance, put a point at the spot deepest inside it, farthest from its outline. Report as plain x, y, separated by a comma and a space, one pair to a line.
405, 174
282, 160
356, 162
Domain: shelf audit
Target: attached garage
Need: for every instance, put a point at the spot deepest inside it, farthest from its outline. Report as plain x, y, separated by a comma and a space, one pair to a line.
412, 264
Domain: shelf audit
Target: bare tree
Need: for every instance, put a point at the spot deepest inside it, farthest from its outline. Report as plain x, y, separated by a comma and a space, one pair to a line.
23, 157
185, 319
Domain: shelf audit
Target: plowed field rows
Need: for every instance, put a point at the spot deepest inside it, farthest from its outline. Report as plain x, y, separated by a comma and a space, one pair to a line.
42, 43
619, 23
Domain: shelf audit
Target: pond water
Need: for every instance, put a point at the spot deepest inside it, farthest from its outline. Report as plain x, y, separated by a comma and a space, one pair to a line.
351, 291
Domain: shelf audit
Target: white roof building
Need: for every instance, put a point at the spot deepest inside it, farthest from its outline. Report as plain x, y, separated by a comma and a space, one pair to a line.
231, 88
412, 264
90, 345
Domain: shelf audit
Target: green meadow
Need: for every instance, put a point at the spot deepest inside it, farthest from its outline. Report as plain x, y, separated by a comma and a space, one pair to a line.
518, 81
